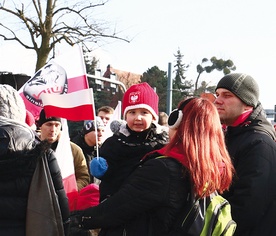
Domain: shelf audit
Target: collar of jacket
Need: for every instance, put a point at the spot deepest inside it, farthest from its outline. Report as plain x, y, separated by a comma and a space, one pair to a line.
176, 153
242, 117
256, 121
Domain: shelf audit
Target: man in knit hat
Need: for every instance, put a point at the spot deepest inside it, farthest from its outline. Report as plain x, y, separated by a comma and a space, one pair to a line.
250, 140
50, 129
89, 138
134, 138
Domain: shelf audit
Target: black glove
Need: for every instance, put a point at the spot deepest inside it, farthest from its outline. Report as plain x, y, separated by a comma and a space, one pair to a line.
75, 220
76, 227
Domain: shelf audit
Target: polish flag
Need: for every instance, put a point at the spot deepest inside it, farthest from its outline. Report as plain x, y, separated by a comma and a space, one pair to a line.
75, 106
64, 74
72, 61
65, 160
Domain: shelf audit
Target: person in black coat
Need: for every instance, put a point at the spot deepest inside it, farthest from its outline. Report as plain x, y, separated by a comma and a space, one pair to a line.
152, 197
19, 151
250, 140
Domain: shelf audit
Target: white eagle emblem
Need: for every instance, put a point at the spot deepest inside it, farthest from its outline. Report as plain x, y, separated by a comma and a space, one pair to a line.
134, 97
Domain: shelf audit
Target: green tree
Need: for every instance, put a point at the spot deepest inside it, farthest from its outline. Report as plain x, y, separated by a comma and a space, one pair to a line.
157, 79
41, 24
216, 64
181, 86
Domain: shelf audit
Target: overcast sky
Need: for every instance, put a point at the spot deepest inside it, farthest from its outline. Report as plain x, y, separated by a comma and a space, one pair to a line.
241, 30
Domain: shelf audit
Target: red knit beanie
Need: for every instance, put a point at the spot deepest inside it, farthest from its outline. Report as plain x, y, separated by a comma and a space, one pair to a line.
141, 96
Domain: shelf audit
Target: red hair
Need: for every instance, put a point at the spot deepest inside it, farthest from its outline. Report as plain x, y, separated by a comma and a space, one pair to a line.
202, 139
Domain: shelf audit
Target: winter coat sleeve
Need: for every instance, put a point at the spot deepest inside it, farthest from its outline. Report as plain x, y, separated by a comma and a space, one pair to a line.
251, 194
147, 188
81, 169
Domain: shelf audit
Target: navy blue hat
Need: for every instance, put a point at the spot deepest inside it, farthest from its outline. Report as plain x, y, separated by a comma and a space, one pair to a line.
90, 125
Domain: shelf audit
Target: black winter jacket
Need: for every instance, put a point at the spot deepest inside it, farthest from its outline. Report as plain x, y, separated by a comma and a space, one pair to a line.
19, 151
123, 152
88, 151
253, 193
147, 204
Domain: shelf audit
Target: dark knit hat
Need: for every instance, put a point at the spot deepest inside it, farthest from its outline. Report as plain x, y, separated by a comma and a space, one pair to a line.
243, 86
141, 96
11, 104
43, 119
90, 125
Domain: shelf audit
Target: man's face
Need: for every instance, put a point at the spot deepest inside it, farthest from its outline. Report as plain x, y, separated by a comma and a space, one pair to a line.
229, 106
90, 137
105, 117
50, 131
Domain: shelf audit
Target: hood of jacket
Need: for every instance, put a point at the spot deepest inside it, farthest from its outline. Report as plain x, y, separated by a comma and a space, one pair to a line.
15, 137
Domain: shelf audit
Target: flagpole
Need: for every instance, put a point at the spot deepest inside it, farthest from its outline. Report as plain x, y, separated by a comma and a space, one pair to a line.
96, 133
83, 64
95, 122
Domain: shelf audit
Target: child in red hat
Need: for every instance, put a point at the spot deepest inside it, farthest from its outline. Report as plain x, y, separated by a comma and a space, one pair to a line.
135, 137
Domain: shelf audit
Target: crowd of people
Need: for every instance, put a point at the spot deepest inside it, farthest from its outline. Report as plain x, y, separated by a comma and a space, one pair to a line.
136, 181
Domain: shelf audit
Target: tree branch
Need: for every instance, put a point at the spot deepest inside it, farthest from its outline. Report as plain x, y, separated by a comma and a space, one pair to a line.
72, 24
14, 38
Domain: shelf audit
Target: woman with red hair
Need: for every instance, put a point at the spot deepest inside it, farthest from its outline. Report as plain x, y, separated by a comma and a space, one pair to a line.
196, 134
152, 198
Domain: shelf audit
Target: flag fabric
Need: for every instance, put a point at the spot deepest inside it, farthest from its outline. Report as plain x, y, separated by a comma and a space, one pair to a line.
64, 74
74, 106
118, 111
66, 162
73, 63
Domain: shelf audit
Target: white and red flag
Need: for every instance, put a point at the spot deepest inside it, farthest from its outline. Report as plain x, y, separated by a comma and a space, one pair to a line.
61, 75
65, 160
75, 106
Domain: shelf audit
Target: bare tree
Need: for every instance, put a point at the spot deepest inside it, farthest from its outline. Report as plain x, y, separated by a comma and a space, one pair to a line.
49, 22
